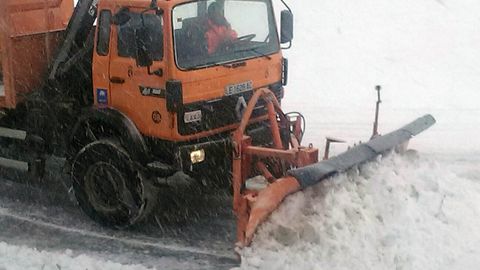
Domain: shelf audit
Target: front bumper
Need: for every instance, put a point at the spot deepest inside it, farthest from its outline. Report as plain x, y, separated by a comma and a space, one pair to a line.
218, 153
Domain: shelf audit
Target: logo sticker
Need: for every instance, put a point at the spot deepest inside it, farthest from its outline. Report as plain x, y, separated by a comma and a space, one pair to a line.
102, 96
93, 8
151, 91
156, 117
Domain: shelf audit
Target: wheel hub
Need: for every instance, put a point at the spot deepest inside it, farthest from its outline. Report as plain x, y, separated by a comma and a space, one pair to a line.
104, 184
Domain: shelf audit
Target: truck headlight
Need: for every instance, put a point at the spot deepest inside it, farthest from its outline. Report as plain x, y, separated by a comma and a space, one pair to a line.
197, 156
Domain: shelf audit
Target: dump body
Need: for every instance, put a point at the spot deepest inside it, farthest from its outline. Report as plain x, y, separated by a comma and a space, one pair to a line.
30, 33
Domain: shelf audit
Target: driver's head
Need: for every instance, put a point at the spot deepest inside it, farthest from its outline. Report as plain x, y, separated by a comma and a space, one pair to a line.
215, 14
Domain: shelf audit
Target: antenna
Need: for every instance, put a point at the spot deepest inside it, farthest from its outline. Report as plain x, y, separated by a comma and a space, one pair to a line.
378, 88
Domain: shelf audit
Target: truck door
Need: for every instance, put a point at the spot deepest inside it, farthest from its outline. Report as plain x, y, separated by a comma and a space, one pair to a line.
139, 92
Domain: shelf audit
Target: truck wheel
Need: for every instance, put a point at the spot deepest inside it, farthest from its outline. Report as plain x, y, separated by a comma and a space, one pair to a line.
108, 187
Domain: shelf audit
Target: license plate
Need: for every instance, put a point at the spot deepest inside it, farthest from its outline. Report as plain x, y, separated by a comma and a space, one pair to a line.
238, 88
190, 117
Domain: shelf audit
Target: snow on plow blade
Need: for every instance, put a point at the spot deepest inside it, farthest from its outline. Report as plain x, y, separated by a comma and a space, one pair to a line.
268, 199
362, 153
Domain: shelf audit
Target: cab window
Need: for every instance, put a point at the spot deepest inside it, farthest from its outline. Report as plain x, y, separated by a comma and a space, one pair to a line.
126, 35
208, 33
103, 42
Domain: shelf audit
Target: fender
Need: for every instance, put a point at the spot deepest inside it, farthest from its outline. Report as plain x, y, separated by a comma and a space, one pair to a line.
119, 123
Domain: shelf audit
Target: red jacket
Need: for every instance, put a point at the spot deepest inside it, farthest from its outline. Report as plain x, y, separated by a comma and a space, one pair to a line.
217, 35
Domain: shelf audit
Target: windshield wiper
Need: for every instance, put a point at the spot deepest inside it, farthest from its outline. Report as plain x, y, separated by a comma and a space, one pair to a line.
208, 64
255, 50
231, 64
235, 64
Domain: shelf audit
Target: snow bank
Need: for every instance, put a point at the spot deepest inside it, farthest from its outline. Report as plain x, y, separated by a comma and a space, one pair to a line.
393, 214
24, 258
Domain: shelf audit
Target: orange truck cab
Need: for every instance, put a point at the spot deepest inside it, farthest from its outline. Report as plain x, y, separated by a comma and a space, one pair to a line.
139, 94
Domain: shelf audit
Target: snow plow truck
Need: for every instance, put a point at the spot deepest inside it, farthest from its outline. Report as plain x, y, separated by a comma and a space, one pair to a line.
140, 96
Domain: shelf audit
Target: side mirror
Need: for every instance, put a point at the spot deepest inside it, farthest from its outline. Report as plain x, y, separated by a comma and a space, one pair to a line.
286, 22
142, 40
122, 17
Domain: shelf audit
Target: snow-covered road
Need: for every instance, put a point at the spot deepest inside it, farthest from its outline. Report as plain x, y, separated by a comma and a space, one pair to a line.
33, 219
397, 213
56, 225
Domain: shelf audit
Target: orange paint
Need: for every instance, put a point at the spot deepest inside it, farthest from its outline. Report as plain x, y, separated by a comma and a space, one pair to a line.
198, 85
30, 32
253, 207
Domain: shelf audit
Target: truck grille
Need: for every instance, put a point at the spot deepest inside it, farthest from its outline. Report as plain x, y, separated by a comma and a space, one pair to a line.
218, 113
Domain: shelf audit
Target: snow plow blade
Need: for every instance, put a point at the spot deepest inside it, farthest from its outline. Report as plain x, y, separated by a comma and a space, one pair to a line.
312, 174
253, 206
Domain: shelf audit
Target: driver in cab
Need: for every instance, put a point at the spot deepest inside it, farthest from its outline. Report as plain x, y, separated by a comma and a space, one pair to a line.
219, 32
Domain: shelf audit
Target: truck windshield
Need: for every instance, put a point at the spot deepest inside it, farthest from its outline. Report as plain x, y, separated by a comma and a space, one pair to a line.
208, 33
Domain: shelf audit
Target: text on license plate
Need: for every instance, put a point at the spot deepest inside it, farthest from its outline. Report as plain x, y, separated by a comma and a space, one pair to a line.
190, 117
238, 88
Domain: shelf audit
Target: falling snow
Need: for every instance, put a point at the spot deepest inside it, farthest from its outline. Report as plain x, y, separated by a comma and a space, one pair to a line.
414, 212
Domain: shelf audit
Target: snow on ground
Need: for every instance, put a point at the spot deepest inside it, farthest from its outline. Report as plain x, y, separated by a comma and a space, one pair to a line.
397, 213
25, 258
45, 220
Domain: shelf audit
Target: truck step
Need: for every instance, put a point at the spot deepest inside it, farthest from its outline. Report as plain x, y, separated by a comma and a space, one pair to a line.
14, 164
35, 143
13, 134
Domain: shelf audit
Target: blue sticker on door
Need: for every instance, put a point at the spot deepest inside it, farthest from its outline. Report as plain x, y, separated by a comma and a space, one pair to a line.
102, 96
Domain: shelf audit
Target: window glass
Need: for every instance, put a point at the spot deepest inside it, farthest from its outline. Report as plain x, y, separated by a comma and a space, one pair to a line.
126, 35
210, 32
257, 22
103, 42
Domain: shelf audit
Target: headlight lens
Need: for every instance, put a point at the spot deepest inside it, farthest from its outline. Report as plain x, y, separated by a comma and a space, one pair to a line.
197, 156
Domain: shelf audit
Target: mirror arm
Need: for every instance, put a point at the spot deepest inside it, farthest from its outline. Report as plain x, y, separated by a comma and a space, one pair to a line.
153, 6
288, 47
285, 4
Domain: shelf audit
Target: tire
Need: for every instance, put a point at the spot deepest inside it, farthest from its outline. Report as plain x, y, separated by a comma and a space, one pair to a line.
108, 187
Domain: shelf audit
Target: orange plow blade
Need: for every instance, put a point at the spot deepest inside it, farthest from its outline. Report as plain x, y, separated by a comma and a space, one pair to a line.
267, 201
256, 191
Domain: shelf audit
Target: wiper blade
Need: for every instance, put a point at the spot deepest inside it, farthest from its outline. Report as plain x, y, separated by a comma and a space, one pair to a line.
231, 63
255, 50
208, 64
235, 64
